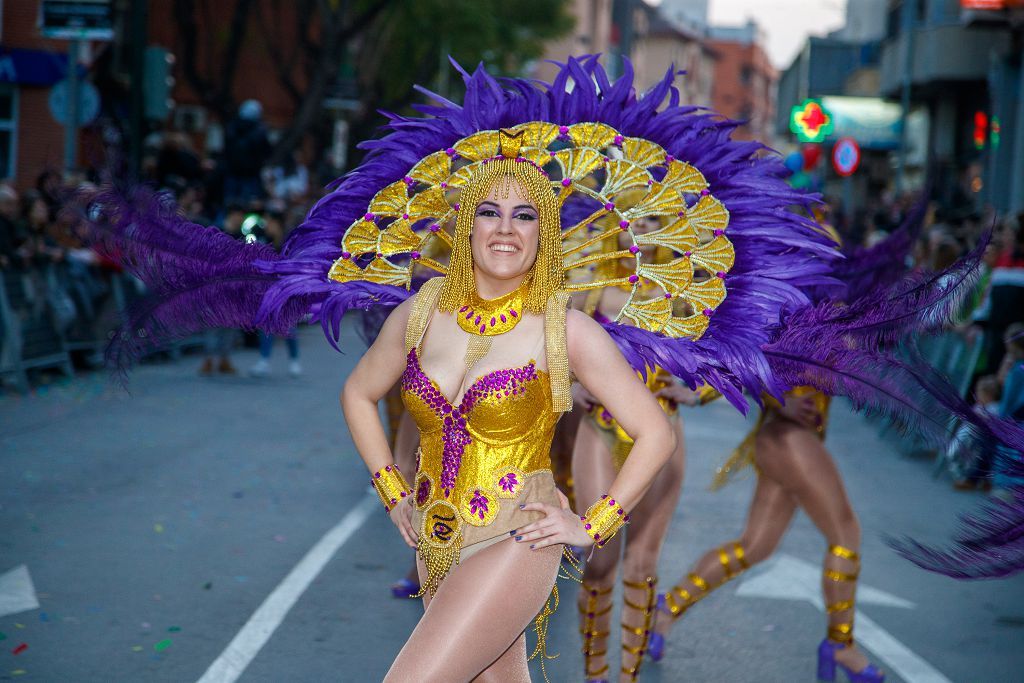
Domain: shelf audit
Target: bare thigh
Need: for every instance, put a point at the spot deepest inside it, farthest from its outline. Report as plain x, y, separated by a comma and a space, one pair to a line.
478, 614
795, 457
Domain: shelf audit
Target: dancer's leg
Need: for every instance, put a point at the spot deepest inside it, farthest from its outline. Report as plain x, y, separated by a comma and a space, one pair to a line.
407, 439
593, 474
650, 521
771, 511
477, 617
796, 456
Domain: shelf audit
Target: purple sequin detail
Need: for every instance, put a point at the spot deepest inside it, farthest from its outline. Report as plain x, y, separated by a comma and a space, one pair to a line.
423, 492
455, 435
478, 505
509, 482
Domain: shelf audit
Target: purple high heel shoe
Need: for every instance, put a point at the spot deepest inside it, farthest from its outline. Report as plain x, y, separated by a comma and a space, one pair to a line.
404, 588
827, 665
656, 641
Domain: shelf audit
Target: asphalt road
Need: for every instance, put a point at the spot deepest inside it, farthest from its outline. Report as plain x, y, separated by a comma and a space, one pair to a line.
154, 524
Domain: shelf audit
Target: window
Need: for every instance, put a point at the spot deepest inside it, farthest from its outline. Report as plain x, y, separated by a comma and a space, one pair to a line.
8, 129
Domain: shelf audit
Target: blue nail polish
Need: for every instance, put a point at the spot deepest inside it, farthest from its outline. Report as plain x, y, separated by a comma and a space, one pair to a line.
513, 532
519, 538
522, 506
532, 547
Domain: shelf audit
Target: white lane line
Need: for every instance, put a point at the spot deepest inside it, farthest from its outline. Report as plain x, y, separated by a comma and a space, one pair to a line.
265, 620
789, 578
17, 594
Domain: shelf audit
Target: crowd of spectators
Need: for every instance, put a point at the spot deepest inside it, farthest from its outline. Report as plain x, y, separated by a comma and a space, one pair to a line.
60, 300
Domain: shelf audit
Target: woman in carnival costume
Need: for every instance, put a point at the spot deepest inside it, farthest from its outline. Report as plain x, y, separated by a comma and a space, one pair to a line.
487, 181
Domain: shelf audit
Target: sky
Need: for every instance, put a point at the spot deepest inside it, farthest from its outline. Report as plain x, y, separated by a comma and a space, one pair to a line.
787, 23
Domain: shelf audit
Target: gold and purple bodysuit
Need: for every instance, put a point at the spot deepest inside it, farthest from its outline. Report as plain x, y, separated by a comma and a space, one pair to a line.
479, 458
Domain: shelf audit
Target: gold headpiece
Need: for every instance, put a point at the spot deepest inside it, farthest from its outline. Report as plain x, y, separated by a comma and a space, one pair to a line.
623, 178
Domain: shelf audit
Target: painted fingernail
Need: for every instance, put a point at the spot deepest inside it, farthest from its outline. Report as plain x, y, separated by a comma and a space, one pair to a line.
513, 532
522, 506
532, 547
519, 538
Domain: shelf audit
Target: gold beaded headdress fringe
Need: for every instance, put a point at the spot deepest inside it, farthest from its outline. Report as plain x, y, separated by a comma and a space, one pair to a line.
548, 273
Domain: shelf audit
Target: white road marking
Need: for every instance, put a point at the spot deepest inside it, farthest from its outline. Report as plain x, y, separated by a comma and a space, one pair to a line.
17, 594
265, 620
787, 578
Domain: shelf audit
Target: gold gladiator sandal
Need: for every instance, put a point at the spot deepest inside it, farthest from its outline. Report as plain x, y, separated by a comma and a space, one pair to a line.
675, 602
590, 612
840, 635
643, 632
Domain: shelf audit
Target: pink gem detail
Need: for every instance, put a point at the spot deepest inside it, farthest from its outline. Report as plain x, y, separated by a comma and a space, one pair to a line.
463, 309
503, 318
346, 255
513, 313
450, 151
408, 181
483, 328
634, 249
405, 216
633, 278
669, 158
455, 206
415, 255
720, 274
477, 321
455, 434
435, 227
618, 140
707, 312
705, 192
493, 321
444, 186
469, 316
509, 483
563, 130
566, 182
609, 206
478, 505
368, 217
624, 224
719, 233
687, 254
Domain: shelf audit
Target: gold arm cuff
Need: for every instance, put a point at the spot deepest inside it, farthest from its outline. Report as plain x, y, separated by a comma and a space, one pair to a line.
603, 519
391, 486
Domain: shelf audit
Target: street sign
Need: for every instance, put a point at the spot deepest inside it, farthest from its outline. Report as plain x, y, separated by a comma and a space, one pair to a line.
78, 19
88, 103
810, 121
845, 156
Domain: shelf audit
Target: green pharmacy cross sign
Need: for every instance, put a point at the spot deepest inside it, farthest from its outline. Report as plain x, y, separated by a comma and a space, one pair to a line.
810, 121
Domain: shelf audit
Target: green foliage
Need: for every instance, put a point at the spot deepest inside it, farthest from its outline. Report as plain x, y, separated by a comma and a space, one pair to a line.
411, 41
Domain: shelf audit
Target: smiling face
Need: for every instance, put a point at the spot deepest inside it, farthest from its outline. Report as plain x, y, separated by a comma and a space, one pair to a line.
505, 235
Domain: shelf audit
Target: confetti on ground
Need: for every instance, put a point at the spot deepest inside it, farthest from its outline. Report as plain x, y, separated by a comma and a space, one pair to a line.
174, 629
146, 625
162, 645
279, 538
208, 585
21, 648
136, 648
18, 672
159, 528
43, 616
19, 625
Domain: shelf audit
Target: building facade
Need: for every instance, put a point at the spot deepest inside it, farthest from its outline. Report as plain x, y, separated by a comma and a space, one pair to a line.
744, 81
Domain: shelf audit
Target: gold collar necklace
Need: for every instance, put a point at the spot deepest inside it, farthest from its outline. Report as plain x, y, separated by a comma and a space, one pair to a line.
491, 317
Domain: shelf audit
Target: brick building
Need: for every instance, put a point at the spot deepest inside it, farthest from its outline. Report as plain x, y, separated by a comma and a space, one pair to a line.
31, 139
744, 81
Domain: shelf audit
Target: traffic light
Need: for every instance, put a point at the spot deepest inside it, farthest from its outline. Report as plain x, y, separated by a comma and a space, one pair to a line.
980, 129
157, 82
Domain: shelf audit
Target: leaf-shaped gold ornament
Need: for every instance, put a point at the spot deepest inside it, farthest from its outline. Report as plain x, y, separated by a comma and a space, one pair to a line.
390, 201
623, 175
659, 201
718, 255
705, 295
385, 272
596, 135
677, 236
398, 238
692, 326
538, 134
433, 169
643, 153
649, 314
430, 203
673, 277
682, 177
579, 162
708, 214
362, 237
478, 146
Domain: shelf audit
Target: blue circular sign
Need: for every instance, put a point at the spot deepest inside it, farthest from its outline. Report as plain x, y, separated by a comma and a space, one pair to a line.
846, 156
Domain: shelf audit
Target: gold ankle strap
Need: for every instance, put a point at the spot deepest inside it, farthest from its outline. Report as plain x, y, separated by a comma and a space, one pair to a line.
589, 629
738, 554
840, 606
643, 631
677, 610
845, 553
841, 633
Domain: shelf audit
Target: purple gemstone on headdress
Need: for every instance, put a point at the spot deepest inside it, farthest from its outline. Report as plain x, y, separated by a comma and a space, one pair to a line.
705, 192
720, 274
450, 151
609, 206
444, 185
650, 182
707, 312
346, 255
634, 249
668, 296
566, 182
408, 181
681, 213
405, 216
368, 217
455, 206
624, 224
633, 278
552, 153
562, 130
513, 313
618, 140
380, 255
669, 158
435, 227
719, 233
687, 254
415, 255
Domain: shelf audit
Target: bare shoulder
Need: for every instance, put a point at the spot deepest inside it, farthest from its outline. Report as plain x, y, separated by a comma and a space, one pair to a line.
584, 336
